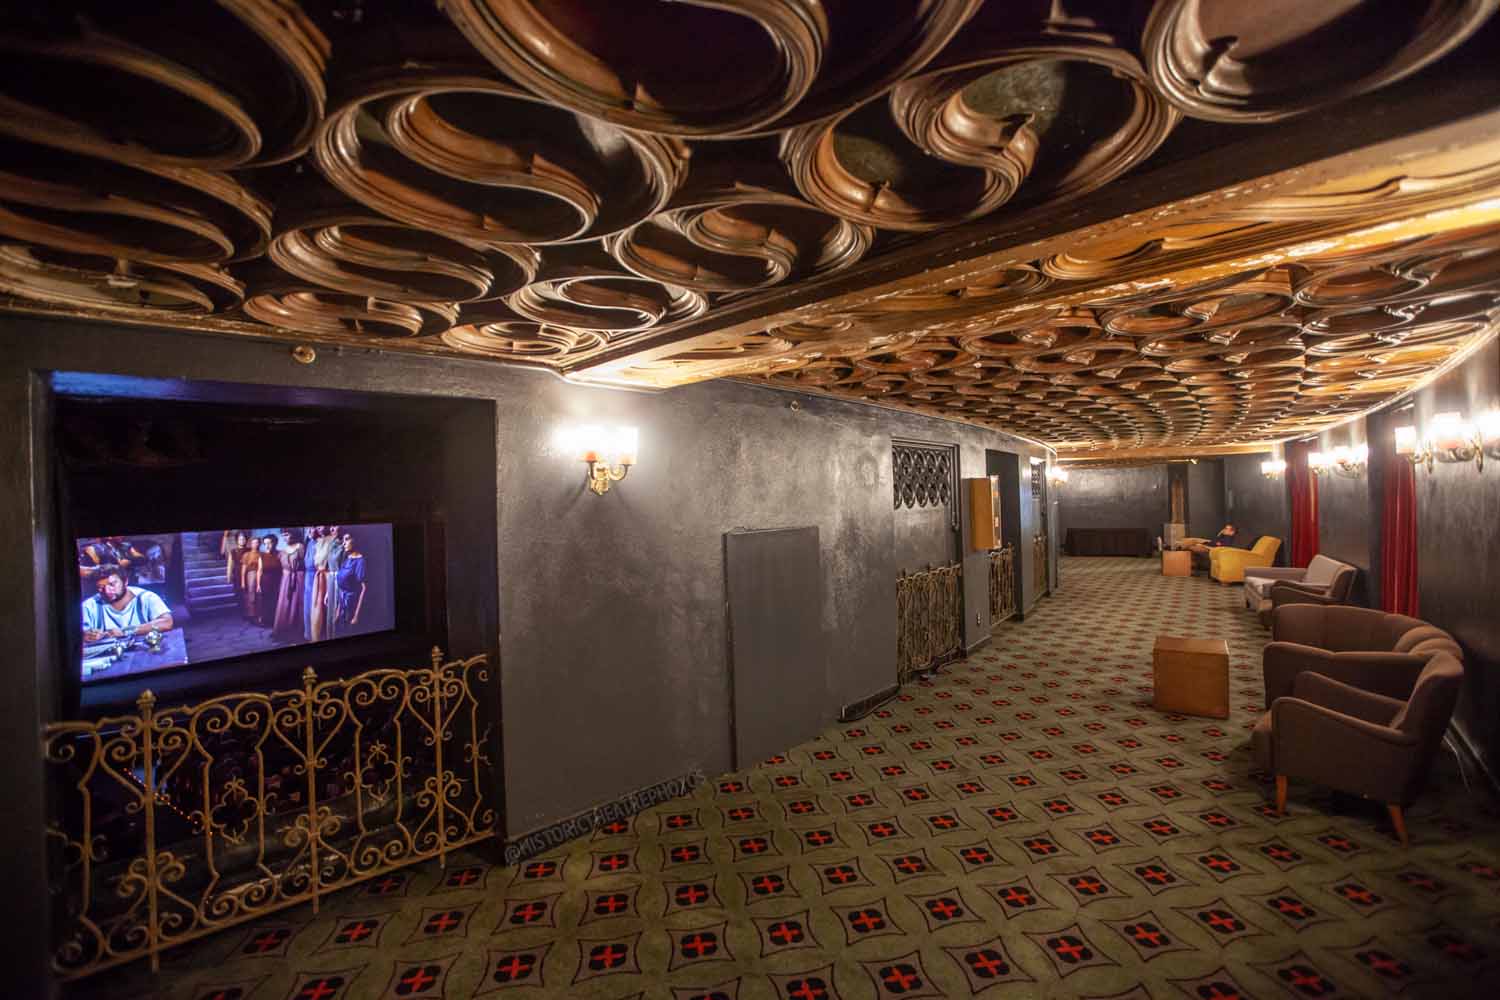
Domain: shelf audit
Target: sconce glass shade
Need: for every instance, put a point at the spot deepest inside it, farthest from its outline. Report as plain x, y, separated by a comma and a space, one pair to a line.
1058, 474
627, 444
1450, 432
1489, 427
1406, 440
593, 443
1272, 467
1317, 460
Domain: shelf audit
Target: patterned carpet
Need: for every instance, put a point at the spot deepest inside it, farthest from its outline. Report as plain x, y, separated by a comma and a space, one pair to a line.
1023, 825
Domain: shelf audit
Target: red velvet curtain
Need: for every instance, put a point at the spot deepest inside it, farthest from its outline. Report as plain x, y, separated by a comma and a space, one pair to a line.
1398, 537
1303, 485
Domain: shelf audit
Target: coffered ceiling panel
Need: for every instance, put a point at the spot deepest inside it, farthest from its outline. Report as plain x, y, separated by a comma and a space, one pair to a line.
873, 199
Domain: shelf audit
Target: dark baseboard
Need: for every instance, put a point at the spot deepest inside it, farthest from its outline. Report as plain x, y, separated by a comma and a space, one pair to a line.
864, 706
543, 839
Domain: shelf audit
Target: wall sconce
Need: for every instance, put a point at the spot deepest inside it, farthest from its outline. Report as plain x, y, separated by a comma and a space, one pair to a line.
1344, 460
1272, 467
1411, 447
1489, 434
1057, 475
1451, 438
608, 452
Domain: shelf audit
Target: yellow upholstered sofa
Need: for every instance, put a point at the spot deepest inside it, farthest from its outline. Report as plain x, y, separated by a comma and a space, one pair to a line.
1228, 565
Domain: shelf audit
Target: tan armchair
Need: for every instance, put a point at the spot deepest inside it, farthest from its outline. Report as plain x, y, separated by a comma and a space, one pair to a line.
1338, 736
1228, 565
1371, 650
1324, 581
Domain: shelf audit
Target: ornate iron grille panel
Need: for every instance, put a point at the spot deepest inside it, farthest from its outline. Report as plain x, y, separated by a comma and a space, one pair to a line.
929, 608
1039, 563
173, 824
1002, 584
923, 475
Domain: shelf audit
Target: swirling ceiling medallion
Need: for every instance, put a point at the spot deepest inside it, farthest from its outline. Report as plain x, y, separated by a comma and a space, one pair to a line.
520, 340
461, 152
1060, 113
346, 248
710, 68
1264, 61
698, 68
116, 287
730, 236
281, 300
160, 214
585, 290
258, 108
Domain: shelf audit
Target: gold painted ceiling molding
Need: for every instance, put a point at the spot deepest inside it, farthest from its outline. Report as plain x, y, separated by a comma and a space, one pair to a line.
1276, 316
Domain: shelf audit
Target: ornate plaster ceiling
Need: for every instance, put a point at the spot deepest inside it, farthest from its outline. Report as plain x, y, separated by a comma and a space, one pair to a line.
657, 193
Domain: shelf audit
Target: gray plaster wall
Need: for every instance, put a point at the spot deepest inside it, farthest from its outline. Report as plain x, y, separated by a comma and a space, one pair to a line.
1349, 511
1257, 505
1205, 498
1458, 549
611, 625
1123, 497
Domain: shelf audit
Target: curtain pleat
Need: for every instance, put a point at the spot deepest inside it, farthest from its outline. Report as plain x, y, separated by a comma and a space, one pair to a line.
1303, 485
1398, 538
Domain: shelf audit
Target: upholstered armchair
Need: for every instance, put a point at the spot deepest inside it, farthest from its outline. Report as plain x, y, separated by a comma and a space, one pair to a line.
1338, 736
1324, 581
1371, 650
1228, 565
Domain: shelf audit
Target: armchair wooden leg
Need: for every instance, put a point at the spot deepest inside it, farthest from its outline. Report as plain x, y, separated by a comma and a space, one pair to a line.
1399, 822
1281, 795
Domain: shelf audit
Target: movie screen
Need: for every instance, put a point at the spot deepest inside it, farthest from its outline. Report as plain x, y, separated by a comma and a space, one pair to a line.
153, 602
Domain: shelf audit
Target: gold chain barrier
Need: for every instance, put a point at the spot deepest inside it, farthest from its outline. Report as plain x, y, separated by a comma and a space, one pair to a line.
170, 824
929, 610
1002, 584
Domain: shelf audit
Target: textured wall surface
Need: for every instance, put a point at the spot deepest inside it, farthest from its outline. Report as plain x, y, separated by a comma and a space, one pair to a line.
1127, 497
1257, 505
924, 537
1205, 498
1348, 515
1458, 549
611, 616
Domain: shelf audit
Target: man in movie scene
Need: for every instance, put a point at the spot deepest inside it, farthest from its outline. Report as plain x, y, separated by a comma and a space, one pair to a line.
142, 560
118, 610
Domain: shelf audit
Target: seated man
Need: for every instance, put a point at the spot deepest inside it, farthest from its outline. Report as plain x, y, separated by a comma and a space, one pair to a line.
1224, 537
119, 610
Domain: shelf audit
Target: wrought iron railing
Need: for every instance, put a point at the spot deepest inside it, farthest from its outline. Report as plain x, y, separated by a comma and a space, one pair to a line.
1002, 584
929, 610
176, 823
1039, 564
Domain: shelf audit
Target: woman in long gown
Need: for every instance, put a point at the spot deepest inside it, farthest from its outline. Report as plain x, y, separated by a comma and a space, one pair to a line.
268, 586
232, 547
351, 583
324, 594
249, 581
287, 626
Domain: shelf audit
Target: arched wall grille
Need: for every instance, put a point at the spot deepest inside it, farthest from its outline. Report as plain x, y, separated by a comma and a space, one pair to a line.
923, 475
